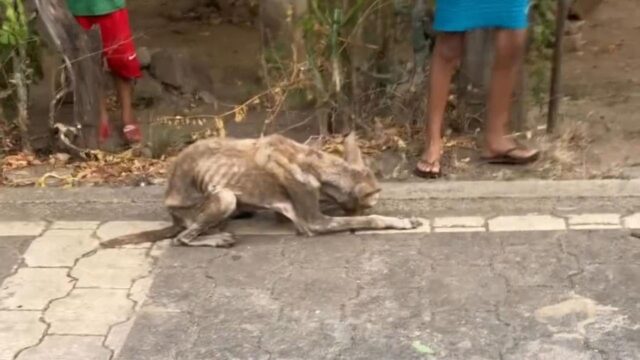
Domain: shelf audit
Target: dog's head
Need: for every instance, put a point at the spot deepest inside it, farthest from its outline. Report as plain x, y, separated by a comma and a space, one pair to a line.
357, 188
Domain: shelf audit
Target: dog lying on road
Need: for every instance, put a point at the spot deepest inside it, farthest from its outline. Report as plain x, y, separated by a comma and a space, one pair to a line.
214, 179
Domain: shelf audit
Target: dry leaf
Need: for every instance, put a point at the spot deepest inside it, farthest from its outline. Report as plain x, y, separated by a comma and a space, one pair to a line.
240, 113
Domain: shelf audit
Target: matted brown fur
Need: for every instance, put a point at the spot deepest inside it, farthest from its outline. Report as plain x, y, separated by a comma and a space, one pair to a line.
213, 179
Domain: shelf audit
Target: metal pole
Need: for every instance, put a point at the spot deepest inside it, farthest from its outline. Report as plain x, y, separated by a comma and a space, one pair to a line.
556, 68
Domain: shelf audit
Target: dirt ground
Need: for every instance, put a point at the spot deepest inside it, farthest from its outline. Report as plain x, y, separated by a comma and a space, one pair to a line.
603, 88
598, 137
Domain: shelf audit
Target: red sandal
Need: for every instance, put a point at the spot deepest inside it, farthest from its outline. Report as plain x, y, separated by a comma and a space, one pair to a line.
132, 133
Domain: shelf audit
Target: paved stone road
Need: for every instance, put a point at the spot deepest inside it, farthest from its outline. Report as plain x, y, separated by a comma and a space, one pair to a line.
507, 287
491, 275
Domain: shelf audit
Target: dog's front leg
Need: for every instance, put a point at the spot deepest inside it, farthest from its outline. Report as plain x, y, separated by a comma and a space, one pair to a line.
372, 222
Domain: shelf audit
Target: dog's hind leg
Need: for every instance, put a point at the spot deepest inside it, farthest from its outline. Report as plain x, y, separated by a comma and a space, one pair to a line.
218, 206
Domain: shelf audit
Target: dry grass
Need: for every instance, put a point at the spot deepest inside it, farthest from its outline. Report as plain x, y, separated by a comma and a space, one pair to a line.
565, 152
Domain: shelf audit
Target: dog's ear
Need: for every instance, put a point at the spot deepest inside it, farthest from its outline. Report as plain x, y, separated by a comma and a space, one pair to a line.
352, 153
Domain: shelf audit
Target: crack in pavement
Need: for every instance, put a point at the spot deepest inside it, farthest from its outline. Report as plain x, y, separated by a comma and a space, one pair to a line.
74, 280
154, 258
151, 255
580, 267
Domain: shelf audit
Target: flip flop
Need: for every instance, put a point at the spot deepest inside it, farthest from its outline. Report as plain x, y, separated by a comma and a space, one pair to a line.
507, 158
428, 174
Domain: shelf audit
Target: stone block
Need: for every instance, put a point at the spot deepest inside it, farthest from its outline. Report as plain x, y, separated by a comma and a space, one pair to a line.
594, 221
57, 248
527, 223
112, 268
34, 288
144, 56
180, 71
147, 89
459, 229
68, 347
18, 330
632, 221
88, 312
459, 222
22, 228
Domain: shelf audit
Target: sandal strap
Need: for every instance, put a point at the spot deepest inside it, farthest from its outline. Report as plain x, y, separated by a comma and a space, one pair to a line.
511, 150
130, 128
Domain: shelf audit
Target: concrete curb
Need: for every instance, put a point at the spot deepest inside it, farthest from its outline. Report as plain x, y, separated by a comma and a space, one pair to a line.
530, 189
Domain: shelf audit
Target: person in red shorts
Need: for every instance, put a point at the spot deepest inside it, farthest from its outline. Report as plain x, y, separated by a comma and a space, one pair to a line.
119, 51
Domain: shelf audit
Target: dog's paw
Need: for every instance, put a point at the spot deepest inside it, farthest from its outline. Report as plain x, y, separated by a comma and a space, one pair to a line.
409, 224
415, 223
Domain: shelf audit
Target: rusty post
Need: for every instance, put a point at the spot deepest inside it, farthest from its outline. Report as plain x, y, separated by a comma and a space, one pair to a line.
555, 92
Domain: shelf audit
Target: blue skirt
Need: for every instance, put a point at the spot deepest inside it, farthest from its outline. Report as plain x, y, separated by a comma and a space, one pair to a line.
464, 15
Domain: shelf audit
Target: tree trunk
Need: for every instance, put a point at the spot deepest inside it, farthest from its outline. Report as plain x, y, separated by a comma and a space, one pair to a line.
22, 94
82, 63
3, 121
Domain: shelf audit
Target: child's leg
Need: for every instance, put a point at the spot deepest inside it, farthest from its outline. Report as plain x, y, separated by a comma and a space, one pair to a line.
122, 60
87, 22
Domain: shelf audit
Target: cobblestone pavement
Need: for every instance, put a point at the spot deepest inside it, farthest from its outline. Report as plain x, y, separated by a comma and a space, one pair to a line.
506, 287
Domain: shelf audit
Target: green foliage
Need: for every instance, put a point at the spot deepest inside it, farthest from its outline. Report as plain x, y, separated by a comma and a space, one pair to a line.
543, 26
17, 31
19, 65
327, 29
542, 40
14, 30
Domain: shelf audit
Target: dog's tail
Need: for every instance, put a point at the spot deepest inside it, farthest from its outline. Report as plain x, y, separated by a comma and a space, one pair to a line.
144, 237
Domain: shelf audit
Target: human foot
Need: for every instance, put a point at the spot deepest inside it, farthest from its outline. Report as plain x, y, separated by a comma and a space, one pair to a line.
428, 166
510, 153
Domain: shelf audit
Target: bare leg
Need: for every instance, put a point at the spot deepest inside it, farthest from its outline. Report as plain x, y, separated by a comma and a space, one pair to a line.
445, 60
104, 126
124, 88
104, 114
510, 45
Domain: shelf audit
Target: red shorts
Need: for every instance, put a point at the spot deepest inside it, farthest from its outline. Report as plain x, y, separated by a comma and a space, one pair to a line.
117, 42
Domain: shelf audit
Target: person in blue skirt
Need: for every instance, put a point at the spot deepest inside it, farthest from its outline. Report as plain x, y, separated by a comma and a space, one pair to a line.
453, 19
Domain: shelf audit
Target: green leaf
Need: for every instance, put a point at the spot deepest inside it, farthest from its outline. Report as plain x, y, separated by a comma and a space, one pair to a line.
4, 38
422, 349
353, 14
